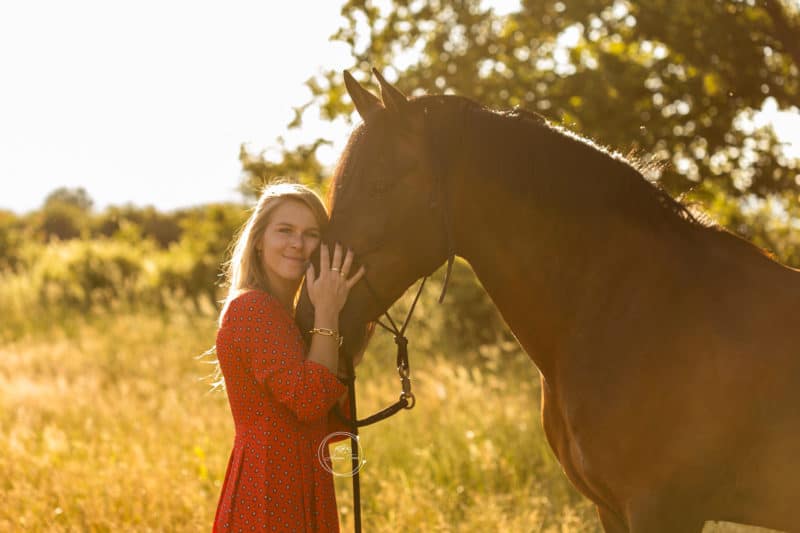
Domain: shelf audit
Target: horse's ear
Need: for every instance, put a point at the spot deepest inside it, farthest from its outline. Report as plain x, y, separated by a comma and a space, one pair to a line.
392, 98
366, 103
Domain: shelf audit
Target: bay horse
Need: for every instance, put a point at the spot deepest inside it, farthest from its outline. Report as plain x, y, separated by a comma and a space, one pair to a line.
668, 348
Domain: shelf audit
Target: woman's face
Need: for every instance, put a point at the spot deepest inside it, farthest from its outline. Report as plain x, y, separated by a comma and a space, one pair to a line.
290, 237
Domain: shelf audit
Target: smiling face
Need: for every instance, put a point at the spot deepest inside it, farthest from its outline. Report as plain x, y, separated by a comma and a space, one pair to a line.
290, 237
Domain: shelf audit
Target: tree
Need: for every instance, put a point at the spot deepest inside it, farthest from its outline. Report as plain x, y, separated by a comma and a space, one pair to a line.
676, 79
298, 164
77, 197
164, 228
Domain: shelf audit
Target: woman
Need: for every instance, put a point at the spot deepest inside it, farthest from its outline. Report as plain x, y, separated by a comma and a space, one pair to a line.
281, 398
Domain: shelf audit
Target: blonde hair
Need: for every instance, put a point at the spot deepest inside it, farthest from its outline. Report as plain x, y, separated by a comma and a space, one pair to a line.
244, 271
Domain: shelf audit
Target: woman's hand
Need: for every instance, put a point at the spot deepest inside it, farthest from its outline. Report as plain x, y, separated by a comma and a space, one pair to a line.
328, 291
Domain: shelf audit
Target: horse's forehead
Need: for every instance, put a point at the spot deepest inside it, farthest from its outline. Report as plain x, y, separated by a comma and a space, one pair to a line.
371, 143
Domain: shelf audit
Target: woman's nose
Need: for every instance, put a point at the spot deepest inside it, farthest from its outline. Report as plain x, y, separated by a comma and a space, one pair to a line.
296, 241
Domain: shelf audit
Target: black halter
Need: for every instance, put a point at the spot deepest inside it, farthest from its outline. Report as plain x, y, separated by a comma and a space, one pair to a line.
407, 400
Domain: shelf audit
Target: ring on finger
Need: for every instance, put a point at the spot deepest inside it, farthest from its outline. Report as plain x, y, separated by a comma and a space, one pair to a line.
334, 269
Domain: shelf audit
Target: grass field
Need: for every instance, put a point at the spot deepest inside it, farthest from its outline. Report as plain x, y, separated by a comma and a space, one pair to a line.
105, 425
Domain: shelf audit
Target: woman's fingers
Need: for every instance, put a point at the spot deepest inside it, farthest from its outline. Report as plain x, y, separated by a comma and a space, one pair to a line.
334, 271
336, 263
348, 262
324, 258
310, 274
356, 277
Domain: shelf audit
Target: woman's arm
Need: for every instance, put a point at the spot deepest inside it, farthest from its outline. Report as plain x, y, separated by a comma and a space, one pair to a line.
256, 329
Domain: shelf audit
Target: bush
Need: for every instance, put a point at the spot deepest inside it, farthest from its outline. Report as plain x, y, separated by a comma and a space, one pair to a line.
11, 228
82, 273
163, 228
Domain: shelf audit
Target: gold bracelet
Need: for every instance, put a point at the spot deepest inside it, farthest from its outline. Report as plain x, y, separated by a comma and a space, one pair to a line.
328, 333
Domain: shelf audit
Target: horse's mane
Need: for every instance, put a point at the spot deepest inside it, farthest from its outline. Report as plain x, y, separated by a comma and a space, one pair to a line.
512, 150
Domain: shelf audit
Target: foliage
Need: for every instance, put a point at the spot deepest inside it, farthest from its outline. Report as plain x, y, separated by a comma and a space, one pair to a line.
64, 215
11, 238
677, 82
666, 78
163, 228
60, 220
771, 223
78, 274
299, 164
133, 257
78, 198
192, 266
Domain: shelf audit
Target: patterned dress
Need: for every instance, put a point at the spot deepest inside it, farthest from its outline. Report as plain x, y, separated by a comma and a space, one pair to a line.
281, 406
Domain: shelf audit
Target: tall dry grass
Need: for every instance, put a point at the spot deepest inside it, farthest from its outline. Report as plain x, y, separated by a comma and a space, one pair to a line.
106, 426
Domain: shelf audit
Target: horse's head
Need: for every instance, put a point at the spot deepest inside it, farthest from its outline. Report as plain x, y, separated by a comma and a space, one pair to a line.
387, 203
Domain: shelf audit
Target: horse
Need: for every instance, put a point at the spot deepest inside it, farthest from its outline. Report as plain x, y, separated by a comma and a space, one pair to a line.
668, 347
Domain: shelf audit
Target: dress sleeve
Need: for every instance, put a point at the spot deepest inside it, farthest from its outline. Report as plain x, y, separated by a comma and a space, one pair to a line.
267, 336
335, 422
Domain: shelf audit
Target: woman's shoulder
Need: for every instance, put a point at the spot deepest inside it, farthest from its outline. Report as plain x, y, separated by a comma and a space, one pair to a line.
254, 303
252, 300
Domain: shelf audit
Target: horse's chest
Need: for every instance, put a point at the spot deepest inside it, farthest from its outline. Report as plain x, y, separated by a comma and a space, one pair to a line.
560, 434
572, 449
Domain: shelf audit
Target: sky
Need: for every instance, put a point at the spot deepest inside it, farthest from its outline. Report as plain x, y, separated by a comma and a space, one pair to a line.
147, 102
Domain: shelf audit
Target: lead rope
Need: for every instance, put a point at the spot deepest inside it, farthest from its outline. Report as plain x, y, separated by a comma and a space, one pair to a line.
403, 369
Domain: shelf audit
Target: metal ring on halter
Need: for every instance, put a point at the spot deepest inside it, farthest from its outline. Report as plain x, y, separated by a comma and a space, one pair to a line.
411, 396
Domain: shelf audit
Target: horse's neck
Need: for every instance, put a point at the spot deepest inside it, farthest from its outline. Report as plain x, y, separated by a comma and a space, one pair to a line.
545, 270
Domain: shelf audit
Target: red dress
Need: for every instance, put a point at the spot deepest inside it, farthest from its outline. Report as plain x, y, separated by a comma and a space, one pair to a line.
281, 406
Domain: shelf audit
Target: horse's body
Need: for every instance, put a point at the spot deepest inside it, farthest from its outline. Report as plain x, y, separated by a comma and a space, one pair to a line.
669, 350
670, 367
